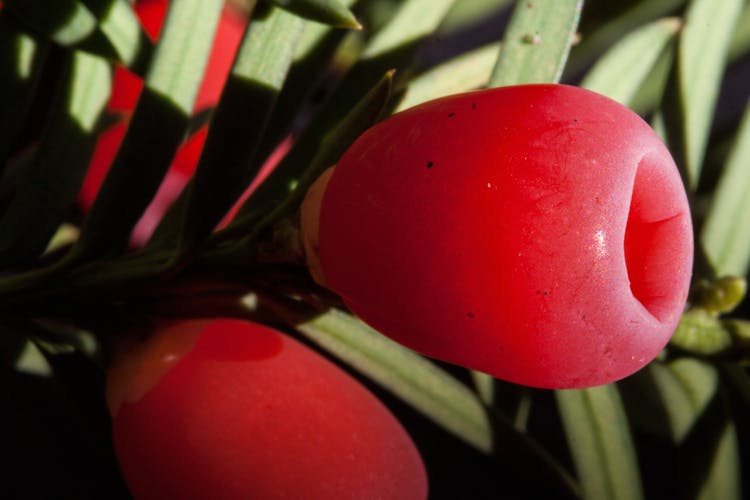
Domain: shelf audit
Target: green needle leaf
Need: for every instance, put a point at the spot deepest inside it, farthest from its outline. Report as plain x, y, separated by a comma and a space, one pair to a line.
704, 44
687, 386
466, 72
333, 12
411, 377
723, 479
537, 42
667, 399
680, 401
741, 40
108, 28
67, 22
315, 50
157, 126
620, 73
599, 439
604, 35
725, 241
391, 47
287, 184
120, 25
709, 456
414, 21
651, 93
21, 61
61, 161
463, 15
253, 86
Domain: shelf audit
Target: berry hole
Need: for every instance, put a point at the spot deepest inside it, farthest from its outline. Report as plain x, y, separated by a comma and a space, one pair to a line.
658, 248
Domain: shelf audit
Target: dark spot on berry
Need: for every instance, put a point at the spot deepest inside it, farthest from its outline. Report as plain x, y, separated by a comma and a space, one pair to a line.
473, 105
429, 164
575, 120
451, 115
470, 315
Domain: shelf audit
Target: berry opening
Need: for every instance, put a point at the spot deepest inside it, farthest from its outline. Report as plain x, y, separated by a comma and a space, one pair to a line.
657, 252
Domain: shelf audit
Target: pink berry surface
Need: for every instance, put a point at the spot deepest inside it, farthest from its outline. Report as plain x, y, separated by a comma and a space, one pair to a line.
229, 409
538, 233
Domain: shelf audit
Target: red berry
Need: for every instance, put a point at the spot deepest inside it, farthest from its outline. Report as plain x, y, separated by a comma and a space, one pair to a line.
229, 409
539, 233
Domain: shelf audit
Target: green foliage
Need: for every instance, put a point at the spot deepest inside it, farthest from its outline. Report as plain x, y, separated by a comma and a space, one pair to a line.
599, 439
70, 283
254, 84
108, 28
536, 42
158, 126
408, 375
60, 163
727, 243
622, 71
704, 43
333, 12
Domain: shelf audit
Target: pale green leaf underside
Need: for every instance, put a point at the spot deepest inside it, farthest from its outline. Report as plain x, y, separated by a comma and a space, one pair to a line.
122, 28
42, 202
685, 387
726, 234
312, 35
267, 50
723, 478
537, 42
333, 12
651, 92
108, 28
408, 375
704, 43
468, 71
313, 54
67, 22
391, 47
331, 146
21, 61
415, 20
687, 390
182, 52
156, 129
621, 71
465, 13
603, 35
741, 40
240, 120
599, 439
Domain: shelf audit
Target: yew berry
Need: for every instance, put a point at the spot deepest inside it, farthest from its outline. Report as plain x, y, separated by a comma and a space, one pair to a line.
539, 233
229, 409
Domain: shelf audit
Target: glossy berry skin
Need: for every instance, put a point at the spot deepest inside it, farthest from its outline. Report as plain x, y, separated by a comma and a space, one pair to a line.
538, 233
229, 409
